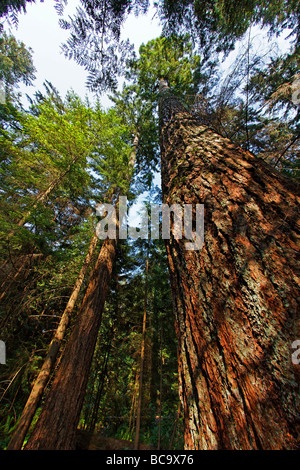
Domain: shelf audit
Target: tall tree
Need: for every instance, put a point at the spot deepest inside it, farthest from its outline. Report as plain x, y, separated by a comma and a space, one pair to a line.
15, 63
236, 299
57, 424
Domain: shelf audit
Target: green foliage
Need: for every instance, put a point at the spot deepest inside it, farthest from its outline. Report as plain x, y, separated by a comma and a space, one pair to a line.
84, 150
174, 59
94, 41
110, 159
221, 22
140, 117
78, 153
170, 58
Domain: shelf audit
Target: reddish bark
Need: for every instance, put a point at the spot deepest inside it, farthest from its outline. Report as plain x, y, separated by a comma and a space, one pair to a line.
236, 300
42, 379
57, 424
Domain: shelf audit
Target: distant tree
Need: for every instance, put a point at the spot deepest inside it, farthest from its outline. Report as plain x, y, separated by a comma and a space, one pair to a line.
15, 64
9, 6
57, 423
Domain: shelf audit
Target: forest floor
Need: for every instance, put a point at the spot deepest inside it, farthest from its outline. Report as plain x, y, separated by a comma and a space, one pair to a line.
98, 442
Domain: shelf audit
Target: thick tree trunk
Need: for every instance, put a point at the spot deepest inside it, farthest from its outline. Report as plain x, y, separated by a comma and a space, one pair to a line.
56, 427
236, 300
44, 374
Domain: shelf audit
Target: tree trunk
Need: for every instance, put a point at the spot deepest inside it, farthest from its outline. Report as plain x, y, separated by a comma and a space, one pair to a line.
155, 350
160, 389
142, 360
236, 300
56, 427
57, 424
101, 382
44, 374
19, 267
41, 197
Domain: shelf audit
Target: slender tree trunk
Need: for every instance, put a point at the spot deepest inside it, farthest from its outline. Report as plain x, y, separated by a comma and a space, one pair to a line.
41, 197
57, 424
160, 389
175, 427
142, 359
101, 382
154, 354
44, 374
236, 300
56, 427
10, 280
132, 421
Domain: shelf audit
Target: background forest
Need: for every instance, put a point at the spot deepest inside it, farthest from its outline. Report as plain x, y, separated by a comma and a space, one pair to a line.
62, 155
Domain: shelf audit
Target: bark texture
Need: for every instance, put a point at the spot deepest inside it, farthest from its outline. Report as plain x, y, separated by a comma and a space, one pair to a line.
41, 381
236, 300
56, 427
